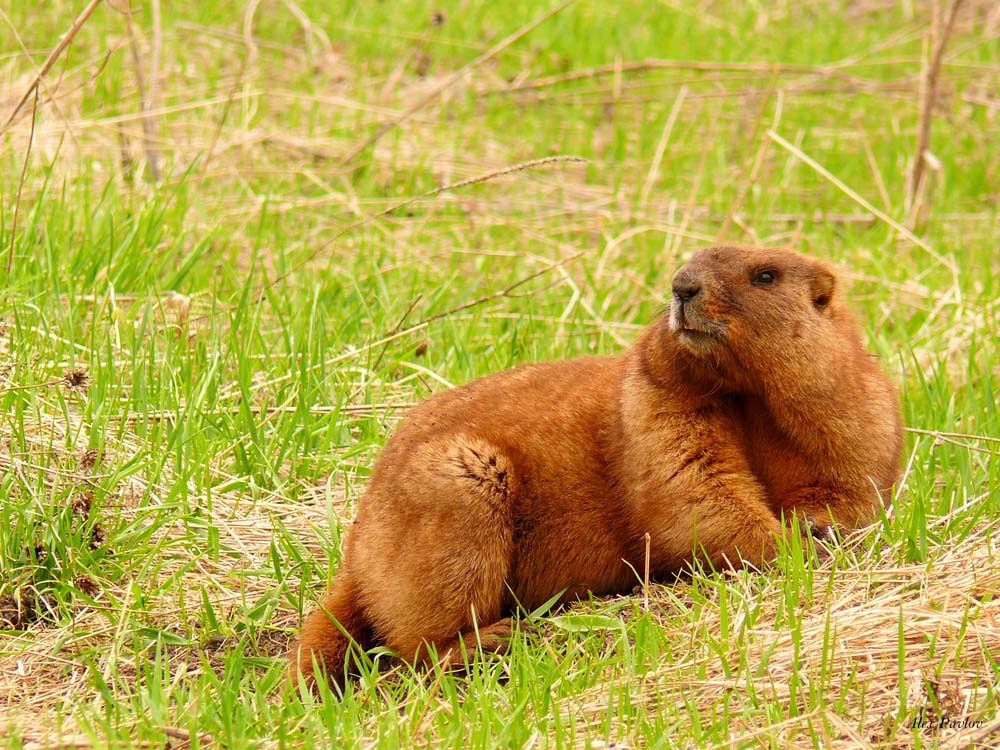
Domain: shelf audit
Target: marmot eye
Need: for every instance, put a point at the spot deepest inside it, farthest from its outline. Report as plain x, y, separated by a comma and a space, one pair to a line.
763, 278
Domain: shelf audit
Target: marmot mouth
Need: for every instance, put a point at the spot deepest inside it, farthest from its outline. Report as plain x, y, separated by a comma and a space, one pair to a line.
682, 325
693, 332
698, 342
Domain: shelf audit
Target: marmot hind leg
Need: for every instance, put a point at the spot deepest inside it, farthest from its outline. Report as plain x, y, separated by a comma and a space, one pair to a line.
457, 653
450, 575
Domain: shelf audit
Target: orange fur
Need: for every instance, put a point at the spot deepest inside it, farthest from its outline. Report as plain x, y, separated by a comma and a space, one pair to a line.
748, 401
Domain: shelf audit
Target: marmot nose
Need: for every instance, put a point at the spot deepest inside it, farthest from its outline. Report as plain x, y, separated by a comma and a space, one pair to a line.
686, 288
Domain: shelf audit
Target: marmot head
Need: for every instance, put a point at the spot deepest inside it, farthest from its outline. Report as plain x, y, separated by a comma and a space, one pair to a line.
743, 310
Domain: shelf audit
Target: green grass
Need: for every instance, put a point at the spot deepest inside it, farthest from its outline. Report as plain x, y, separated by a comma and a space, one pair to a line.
164, 525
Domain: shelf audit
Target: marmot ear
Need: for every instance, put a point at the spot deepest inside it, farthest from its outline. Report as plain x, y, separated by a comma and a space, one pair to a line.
821, 286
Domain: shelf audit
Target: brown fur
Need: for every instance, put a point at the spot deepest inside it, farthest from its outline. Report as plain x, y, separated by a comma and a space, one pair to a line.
745, 403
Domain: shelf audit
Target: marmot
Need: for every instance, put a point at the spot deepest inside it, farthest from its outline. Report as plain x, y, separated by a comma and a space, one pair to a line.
750, 399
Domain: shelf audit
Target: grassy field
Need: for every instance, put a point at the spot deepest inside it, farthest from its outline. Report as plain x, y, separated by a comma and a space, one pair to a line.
232, 260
